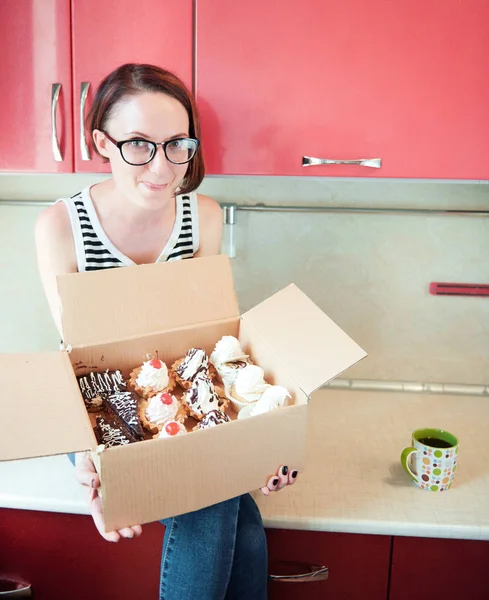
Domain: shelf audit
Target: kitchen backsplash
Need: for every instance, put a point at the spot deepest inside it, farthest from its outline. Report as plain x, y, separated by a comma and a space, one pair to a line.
369, 272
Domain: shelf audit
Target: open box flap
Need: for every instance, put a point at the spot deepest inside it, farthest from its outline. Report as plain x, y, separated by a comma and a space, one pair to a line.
117, 304
42, 412
307, 342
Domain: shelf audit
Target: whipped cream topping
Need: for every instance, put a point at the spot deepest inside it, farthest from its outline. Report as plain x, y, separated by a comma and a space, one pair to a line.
227, 349
162, 408
229, 371
154, 375
213, 418
195, 362
250, 383
202, 397
171, 429
272, 398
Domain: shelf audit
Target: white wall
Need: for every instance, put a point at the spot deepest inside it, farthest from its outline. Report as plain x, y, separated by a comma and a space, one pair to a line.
369, 272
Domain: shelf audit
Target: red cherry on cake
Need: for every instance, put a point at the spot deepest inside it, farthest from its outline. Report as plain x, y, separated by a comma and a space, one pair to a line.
156, 363
172, 428
166, 398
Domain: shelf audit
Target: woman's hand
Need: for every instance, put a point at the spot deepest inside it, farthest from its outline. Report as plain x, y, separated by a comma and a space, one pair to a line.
87, 475
278, 481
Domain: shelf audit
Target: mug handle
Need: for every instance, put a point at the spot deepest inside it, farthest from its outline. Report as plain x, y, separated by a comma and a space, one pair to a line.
405, 454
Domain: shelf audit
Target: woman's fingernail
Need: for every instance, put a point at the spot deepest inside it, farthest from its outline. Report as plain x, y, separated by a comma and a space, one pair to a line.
275, 481
285, 470
294, 474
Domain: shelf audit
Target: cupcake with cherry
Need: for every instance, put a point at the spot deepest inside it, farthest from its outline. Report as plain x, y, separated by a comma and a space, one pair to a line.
160, 409
171, 429
151, 378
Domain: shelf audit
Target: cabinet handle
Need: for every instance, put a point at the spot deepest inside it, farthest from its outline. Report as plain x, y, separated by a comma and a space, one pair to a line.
85, 152
315, 573
309, 161
12, 587
55, 90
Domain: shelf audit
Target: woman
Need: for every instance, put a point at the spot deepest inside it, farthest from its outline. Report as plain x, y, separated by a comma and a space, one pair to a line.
145, 123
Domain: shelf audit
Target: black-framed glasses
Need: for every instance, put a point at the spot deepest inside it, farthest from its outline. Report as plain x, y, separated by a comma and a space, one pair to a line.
138, 151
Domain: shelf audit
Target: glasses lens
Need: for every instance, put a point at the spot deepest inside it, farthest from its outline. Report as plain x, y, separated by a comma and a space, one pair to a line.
137, 152
181, 151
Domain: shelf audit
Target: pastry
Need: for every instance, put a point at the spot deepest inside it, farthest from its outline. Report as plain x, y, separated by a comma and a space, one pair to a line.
152, 377
95, 386
111, 432
125, 405
272, 398
202, 397
194, 363
229, 358
171, 429
249, 385
212, 418
159, 410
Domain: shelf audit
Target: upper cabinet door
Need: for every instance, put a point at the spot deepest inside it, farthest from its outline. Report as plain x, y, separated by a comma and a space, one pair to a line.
111, 33
402, 81
35, 79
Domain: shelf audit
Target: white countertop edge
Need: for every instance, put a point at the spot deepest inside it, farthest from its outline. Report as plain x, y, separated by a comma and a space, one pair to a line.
390, 528
44, 504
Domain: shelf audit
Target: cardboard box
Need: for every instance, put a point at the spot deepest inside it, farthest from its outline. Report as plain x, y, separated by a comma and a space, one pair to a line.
112, 319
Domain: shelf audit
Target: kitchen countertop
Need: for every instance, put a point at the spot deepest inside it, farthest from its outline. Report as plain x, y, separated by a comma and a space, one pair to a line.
352, 480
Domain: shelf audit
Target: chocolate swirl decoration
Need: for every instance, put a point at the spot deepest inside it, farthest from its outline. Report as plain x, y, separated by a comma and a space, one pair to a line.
201, 360
212, 418
202, 393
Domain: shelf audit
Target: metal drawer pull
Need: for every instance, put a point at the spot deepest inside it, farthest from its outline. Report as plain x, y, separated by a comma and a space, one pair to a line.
85, 152
316, 573
55, 90
309, 161
228, 243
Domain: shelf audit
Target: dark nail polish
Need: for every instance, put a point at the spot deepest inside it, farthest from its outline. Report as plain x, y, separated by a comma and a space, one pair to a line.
275, 481
285, 470
294, 474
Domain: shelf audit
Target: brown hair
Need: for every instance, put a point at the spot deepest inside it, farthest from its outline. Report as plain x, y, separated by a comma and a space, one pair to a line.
131, 79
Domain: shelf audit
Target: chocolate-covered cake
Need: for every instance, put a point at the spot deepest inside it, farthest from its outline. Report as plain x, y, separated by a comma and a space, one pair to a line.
110, 431
95, 387
125, 405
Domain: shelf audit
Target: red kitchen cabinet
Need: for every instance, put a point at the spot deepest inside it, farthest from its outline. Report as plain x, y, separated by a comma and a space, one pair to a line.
49, 42
402, 81
109, 34
428, 569
358, 565
62, 556
35, 122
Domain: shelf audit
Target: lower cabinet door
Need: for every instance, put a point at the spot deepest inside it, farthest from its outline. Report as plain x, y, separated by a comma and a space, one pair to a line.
432, 569
64, 558
358, 565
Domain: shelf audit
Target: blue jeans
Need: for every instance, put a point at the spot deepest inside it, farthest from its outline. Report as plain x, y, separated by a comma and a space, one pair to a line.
216, 553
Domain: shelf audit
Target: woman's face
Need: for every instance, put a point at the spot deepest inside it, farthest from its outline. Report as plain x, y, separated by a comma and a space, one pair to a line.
156, 117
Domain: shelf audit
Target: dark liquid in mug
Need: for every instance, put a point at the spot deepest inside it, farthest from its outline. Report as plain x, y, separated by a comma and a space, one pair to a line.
434, 442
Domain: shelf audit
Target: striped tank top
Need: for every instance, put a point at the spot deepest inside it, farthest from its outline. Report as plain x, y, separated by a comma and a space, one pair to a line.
94, 250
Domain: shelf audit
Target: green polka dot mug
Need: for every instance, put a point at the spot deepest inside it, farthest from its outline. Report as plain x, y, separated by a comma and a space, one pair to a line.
431, 461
